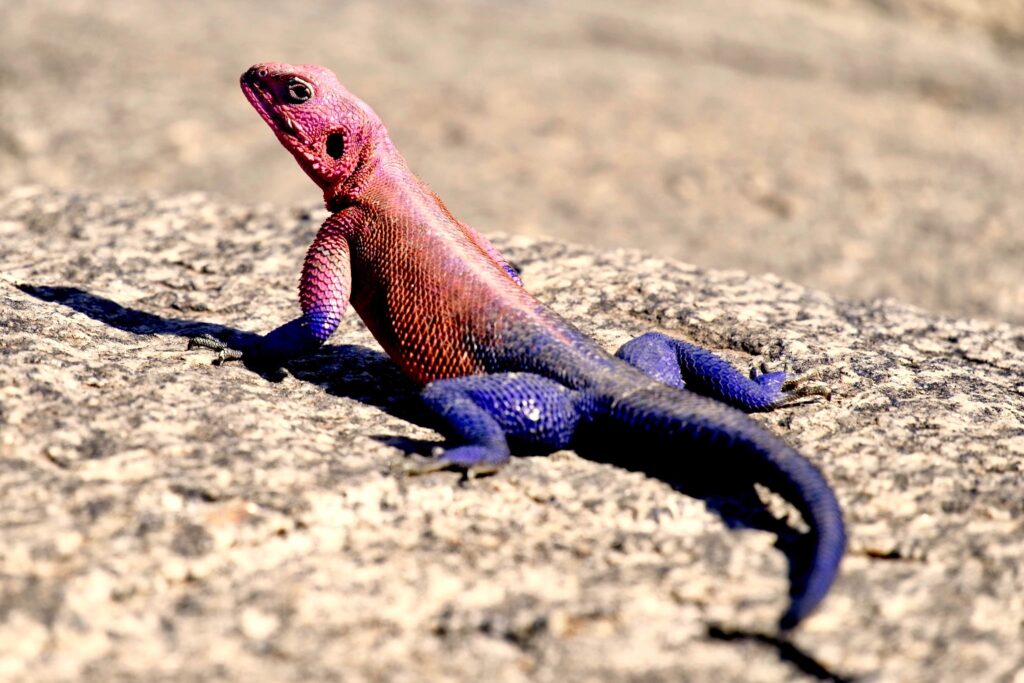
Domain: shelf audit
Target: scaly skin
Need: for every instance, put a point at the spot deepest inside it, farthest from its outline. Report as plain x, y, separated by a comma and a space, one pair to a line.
499, 367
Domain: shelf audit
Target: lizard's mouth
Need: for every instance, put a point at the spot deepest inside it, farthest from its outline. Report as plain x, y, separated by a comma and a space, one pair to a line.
263, 102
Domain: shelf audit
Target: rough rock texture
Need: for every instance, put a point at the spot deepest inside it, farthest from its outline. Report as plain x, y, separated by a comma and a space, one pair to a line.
166, 519
849, 145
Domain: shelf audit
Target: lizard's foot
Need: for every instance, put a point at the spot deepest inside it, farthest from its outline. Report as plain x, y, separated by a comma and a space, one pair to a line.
268, 354
224, 352
270, 368
474, 460
791, 388
684, 365
479, 413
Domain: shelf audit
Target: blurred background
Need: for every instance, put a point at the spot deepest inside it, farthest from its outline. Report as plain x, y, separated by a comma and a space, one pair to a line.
864, 147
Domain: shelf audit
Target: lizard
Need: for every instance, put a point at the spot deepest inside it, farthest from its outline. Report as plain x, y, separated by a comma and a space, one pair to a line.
499, 370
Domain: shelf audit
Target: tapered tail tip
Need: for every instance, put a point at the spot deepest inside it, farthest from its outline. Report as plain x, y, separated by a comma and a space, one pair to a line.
815, 584
789, 621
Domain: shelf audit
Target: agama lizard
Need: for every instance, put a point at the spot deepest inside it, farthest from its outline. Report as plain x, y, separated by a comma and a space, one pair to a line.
500, 370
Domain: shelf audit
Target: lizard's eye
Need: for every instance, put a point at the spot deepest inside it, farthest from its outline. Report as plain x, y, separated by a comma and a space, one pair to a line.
299, 91
335, 145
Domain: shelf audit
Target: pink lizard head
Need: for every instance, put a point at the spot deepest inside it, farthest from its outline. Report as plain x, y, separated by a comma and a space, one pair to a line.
327, 129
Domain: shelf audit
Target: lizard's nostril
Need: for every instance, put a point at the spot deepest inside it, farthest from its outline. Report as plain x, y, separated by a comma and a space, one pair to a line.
254, 73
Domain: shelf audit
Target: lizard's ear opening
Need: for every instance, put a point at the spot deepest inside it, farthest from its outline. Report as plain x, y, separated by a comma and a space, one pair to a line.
335, 146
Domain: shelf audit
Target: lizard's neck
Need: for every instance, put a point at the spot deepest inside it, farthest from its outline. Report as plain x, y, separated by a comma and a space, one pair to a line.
377, 162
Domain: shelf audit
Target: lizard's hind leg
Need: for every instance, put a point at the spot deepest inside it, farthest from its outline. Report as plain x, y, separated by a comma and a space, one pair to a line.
482, 414
683, 365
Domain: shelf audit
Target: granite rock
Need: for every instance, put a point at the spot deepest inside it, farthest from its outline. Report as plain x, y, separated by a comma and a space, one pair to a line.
168, 519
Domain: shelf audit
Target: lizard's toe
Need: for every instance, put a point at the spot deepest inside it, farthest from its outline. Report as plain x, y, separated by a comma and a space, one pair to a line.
806, 385
475, 460
418, 465
224, 353
788, 387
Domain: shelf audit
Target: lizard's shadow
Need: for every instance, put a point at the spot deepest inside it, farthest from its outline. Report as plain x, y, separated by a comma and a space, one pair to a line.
347, 370
370, 377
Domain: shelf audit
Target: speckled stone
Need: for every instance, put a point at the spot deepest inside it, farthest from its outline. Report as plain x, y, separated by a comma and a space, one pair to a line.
166, 519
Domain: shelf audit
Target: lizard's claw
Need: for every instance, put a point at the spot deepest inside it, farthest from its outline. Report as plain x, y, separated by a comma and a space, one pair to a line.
807, 385
482, 465
797, 386
224, 352
418, 465
268, 368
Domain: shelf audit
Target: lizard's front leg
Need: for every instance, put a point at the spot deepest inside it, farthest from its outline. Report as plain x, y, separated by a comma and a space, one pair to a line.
323, 293
482, 414
684, 365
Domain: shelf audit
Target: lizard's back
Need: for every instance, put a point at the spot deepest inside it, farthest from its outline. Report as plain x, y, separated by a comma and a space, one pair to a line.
442, 306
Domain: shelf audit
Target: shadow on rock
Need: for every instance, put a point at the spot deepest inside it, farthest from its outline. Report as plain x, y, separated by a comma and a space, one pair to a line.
787, 651
370, 377
349, 371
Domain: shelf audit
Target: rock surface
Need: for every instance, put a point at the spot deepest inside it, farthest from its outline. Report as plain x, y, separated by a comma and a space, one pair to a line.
166, 519
849, 145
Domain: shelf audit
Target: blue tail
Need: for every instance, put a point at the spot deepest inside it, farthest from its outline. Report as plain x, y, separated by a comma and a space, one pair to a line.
661, 422
798, 481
